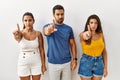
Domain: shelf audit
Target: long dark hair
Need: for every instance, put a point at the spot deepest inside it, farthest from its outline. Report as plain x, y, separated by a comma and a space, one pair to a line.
27, 14
99, 27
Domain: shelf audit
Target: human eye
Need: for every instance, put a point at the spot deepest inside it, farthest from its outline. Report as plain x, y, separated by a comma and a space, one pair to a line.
91, 22
30, 20
96, 22
25, 20
57, 14
62, 14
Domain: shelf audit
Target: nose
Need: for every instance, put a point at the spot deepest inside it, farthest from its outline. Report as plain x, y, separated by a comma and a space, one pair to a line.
60, 16
28, 22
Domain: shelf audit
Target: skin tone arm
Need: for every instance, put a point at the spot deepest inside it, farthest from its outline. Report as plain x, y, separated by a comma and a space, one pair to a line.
104, 54
42, 53
17, 34
74, 54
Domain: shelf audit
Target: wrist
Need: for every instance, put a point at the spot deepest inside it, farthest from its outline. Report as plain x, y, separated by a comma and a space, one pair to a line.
43, 64
75, 59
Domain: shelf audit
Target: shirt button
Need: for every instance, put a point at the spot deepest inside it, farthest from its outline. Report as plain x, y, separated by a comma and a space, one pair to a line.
33, 52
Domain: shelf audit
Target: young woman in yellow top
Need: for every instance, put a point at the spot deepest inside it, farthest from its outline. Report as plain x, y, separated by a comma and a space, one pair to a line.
93, 64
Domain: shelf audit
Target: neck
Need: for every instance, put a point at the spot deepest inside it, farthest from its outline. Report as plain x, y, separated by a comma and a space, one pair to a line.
58, 23
29, 30
93, 32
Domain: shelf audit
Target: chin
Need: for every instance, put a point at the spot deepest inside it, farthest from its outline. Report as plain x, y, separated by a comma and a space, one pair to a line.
29, 28
60, 22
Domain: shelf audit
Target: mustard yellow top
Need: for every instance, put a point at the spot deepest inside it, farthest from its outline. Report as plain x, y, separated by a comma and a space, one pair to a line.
95, 48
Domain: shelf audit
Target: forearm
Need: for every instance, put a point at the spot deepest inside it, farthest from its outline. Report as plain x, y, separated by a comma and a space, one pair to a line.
74, 53
104, 54
42, 55
73, 50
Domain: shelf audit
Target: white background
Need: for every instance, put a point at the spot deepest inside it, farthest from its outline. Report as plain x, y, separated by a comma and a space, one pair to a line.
76, 14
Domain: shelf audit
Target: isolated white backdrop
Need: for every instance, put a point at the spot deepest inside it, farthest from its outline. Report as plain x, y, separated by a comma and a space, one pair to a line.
76, 13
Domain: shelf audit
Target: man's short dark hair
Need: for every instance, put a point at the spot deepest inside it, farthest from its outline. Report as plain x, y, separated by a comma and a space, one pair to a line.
57, 7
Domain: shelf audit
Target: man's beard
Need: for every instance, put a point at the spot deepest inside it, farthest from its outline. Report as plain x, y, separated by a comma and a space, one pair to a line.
60, 21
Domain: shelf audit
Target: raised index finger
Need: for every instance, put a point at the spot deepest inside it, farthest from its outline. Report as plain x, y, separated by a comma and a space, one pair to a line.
54, 25
88, 28
18, 27
53, 22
